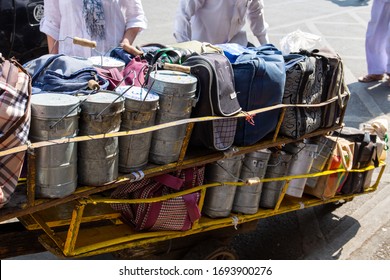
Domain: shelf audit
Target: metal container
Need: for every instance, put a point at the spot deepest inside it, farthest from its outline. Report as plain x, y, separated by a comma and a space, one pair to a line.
107, 62
219, 200
277, 167
325, 148
140, 112
56, 166
177, 96
247, 197
98, 159
303, 155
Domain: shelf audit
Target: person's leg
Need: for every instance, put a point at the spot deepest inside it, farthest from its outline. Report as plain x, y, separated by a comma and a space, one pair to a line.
376, 43
387, 41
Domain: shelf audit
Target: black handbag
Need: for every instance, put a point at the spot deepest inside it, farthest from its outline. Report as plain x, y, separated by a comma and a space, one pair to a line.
365, 154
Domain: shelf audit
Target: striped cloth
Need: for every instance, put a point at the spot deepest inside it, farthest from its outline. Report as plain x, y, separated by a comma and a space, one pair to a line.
15, 92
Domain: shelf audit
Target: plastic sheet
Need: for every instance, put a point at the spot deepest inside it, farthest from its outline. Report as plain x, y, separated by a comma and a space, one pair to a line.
297, 40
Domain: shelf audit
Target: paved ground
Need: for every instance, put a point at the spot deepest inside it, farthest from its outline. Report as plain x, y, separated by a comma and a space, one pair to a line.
359, 229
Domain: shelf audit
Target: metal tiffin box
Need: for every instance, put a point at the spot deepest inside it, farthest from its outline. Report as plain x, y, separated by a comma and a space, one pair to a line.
141, 106
219, 200
278, 165
247, 197
303, 154
176, 91
325, 148
98, 159
56, 166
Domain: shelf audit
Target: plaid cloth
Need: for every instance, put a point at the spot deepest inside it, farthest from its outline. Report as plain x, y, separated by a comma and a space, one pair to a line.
15, 91
173, 214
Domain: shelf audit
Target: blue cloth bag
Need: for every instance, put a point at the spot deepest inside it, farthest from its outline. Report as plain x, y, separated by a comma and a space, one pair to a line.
232, 50
62, 74
260, 77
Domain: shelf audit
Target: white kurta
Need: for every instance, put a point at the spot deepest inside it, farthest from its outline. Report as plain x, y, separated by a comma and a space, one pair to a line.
378, 38
220, 21
64, 19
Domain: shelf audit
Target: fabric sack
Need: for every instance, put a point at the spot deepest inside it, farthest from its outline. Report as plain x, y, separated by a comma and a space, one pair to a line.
260, 77
304, 83
134, 73
379, 127
177, 213
365, 154
197, 47
341, 158
232, 50
173, 55
15, 117
334, 86
62, 74
216, 97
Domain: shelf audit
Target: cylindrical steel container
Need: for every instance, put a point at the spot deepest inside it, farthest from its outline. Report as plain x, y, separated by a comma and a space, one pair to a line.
177, 94
303, 155
325, 148
107, 62
56, 166
277, 167
140, 112
98, 159
219, 200
247, 198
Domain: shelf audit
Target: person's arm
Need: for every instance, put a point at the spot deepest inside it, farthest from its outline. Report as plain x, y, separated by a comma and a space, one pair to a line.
130, 35
52, 45
185, 11
50, 24
135, 20
258, 25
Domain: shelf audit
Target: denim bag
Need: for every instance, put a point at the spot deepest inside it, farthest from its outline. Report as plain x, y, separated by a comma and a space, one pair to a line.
61, 73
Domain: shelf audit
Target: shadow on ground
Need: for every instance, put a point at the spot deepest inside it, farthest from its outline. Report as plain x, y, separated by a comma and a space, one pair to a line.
348, 3
291, 236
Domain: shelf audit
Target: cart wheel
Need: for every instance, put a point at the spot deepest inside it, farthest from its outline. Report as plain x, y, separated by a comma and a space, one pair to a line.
211, 250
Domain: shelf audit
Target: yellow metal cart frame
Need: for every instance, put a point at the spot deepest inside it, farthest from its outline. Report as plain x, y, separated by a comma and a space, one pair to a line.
76, 243
63, 219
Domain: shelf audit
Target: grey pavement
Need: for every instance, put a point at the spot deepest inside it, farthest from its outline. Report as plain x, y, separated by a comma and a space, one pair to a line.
359, 229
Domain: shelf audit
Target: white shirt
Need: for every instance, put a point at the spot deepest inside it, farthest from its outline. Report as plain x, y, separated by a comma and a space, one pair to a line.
63, 18
220, 21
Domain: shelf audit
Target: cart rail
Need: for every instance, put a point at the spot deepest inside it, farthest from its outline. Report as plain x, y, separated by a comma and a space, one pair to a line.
61, 219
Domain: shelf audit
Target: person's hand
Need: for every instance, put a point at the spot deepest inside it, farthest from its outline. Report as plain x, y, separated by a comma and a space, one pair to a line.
131, 49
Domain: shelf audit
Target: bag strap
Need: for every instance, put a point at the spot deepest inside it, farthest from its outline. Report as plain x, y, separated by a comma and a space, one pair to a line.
170, 181
345, 148
191, 201
150, 220
165, 54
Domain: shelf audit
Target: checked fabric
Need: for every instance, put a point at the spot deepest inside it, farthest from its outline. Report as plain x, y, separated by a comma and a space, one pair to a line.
178, 213
15, 91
